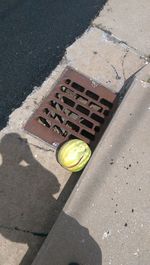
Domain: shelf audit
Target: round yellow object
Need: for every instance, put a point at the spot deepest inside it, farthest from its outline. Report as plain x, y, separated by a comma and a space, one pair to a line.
74, 155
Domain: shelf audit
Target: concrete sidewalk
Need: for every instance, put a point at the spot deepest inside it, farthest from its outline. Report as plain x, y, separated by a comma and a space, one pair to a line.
112, 197
32, 181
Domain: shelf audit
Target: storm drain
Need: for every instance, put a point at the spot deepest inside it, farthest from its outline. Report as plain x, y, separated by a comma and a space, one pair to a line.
77, 107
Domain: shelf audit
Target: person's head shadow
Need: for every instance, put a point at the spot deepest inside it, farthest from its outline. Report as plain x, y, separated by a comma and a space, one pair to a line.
28, 208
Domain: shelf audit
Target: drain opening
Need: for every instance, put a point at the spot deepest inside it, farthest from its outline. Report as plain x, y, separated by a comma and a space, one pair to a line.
73, 126
92, 95
106, 103
95, 107
67, 90
46, 110
73, 109
73, 115
65, 100
58, 118
56, 105
59, 96
83, 110
44, 122
78, 87
88, 135
97, 128
81, 99
97, 118
68, 101
52, 114
86, 123
67, 81
71, 137
106, 112
60, 131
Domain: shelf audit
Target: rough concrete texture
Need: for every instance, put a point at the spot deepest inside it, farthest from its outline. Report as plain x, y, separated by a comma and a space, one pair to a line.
103, 58
12, 249
129, 21
31, 180
112, 196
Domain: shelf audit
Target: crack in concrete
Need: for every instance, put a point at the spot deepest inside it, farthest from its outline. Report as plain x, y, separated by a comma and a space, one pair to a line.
127, 84
114, 39
110, 35
42, 148
117, 75
122, 63
39, 234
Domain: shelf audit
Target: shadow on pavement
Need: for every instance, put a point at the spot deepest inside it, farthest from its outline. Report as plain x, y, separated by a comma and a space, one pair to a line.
28, 208
70, 243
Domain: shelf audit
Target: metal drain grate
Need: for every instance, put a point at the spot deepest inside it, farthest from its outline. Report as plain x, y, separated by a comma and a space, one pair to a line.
76, 108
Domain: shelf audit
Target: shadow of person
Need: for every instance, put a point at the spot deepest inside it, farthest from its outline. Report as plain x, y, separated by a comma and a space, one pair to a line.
69, 243
26, 193
28, 208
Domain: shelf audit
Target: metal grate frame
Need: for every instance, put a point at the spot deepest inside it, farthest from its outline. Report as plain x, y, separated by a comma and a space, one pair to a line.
77, 107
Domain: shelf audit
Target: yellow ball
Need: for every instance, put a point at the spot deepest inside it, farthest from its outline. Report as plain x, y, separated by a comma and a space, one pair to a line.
74, 155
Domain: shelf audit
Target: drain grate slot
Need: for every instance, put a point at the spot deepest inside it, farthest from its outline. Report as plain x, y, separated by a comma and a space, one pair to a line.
43, 122
81, 99
77, 87
74, 109
73, 126
86, 123
83, 110
106, 103
92, 95
88, 135
97, 118
59, 131
95, 107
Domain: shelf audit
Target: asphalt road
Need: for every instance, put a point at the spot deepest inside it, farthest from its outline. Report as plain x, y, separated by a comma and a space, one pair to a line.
33, 37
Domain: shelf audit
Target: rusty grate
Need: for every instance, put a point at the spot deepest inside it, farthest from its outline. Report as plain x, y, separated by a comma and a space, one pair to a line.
76, 108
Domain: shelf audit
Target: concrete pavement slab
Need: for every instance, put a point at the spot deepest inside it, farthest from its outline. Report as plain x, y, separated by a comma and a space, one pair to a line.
112, 197
103, 58
31, 181
30, 178
129, 21
13, 250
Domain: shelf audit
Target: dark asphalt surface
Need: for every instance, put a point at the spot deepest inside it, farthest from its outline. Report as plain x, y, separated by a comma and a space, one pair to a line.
33, 37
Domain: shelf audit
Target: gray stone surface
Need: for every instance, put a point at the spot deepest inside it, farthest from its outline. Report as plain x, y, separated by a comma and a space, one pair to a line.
112, 197
129, 21
16, 245
32, 182
103, 58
